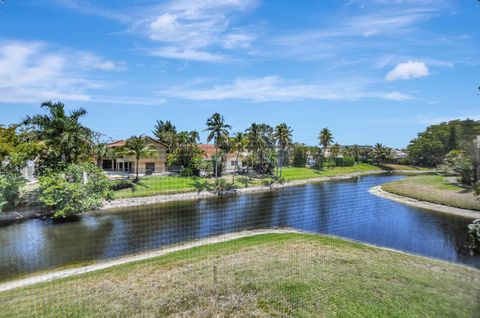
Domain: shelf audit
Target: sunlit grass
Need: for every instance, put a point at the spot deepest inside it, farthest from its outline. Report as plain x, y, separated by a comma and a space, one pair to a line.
294, 275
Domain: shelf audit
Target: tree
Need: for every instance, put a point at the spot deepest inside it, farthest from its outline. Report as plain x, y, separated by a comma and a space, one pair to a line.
101, 150
335, 150
239, 144
66, 140
166, 132
76, 189
300, 155
219, 132
431, 145
15, 151
186, 153
283, 137
382, 154
326, 138
138, 147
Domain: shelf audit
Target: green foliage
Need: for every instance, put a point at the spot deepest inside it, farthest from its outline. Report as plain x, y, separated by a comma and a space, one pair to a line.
10, 190
166, 132
345, 162
329, 163
457, 162
77, 189
222, 187
186, 172
15, 151
121, 184
300, 155
66, 140
138, 146
476, 188
431, 146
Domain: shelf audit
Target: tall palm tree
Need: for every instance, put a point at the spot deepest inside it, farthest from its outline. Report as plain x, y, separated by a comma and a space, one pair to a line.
64, 136
218, 133
356, 152
326, 138
138, 147
283, 137
256, 141
238, 143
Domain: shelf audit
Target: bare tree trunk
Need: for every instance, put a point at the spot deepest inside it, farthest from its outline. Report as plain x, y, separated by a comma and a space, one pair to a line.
136, 179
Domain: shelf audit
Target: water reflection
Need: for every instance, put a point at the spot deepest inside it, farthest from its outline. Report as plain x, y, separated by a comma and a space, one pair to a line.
343, 208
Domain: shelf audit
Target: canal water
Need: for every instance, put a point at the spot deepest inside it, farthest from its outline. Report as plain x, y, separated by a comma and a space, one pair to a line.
341, 208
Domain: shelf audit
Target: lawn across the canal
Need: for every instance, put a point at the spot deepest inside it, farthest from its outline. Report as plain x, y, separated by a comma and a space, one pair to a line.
294, 275
155, 185
435, 189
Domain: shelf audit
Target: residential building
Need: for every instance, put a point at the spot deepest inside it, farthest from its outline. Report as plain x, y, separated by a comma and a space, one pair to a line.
230, 159
147, 165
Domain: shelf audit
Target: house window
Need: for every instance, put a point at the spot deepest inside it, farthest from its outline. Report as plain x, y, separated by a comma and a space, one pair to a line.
233, 163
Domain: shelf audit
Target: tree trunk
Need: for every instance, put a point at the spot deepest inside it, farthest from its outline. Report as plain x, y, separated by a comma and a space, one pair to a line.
136, 178
236, 167
216, 163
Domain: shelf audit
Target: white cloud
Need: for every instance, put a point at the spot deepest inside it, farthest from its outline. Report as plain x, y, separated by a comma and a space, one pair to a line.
31, 72
187, 54
189, 30
408, 70
272, 88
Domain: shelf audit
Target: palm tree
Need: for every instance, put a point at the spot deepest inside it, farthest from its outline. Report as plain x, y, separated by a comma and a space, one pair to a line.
166, 132
335, 150
283, 137
256, 141
325, 137
381, 153
64, 136
138, 147
238, 143
218, 132
356, 153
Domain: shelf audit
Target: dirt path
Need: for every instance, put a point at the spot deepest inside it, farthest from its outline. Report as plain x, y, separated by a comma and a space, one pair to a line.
378, 191
54, 275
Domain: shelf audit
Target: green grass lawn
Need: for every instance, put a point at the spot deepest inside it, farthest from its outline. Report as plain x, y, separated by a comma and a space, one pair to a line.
279, 275
407, 168
436, 189
155, 185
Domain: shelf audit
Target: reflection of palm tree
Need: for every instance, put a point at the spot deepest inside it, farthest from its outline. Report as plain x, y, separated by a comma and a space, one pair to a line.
238, 143
218, 132
325, 139
138, 147
283, 136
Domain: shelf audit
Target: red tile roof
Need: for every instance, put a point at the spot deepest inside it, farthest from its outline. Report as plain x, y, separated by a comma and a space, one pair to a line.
209, 151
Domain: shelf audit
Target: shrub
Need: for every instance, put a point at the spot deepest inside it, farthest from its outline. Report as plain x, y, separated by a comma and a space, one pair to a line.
329, 163
76, 189
345, 162
186, 172
10, 193
120, 185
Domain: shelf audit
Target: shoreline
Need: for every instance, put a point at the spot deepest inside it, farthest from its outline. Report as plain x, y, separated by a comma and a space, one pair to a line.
190, 196
56, 274
69, 272
378, 191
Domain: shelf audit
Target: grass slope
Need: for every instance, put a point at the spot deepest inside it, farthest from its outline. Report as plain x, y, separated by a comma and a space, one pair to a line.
436, 189
154, 185
287, 275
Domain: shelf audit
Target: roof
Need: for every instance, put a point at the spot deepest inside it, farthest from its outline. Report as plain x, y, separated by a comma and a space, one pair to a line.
122, 142
209, 151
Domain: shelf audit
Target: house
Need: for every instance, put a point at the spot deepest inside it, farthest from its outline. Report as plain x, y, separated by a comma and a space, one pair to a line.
230, 159
157, 163
399, 154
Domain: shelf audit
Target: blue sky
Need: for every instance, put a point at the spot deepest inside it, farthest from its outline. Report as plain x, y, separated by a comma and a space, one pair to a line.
372, 71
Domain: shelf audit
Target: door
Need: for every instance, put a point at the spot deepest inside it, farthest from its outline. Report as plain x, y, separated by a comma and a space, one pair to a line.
149, 168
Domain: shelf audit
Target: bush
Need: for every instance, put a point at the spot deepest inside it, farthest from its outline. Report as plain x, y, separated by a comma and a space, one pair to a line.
10, 190
186, 172
345, 162
329, 163
121, 184
77, 189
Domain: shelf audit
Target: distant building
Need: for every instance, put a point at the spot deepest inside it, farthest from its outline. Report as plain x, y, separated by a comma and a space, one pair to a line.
230, 163
126, 163
399, 154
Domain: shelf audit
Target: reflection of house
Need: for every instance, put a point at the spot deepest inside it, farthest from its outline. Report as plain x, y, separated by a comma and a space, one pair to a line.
229, 159
126, 163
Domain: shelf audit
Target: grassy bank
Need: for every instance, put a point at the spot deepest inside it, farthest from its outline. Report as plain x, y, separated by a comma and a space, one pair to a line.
435, 189
266, 275
155, 185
